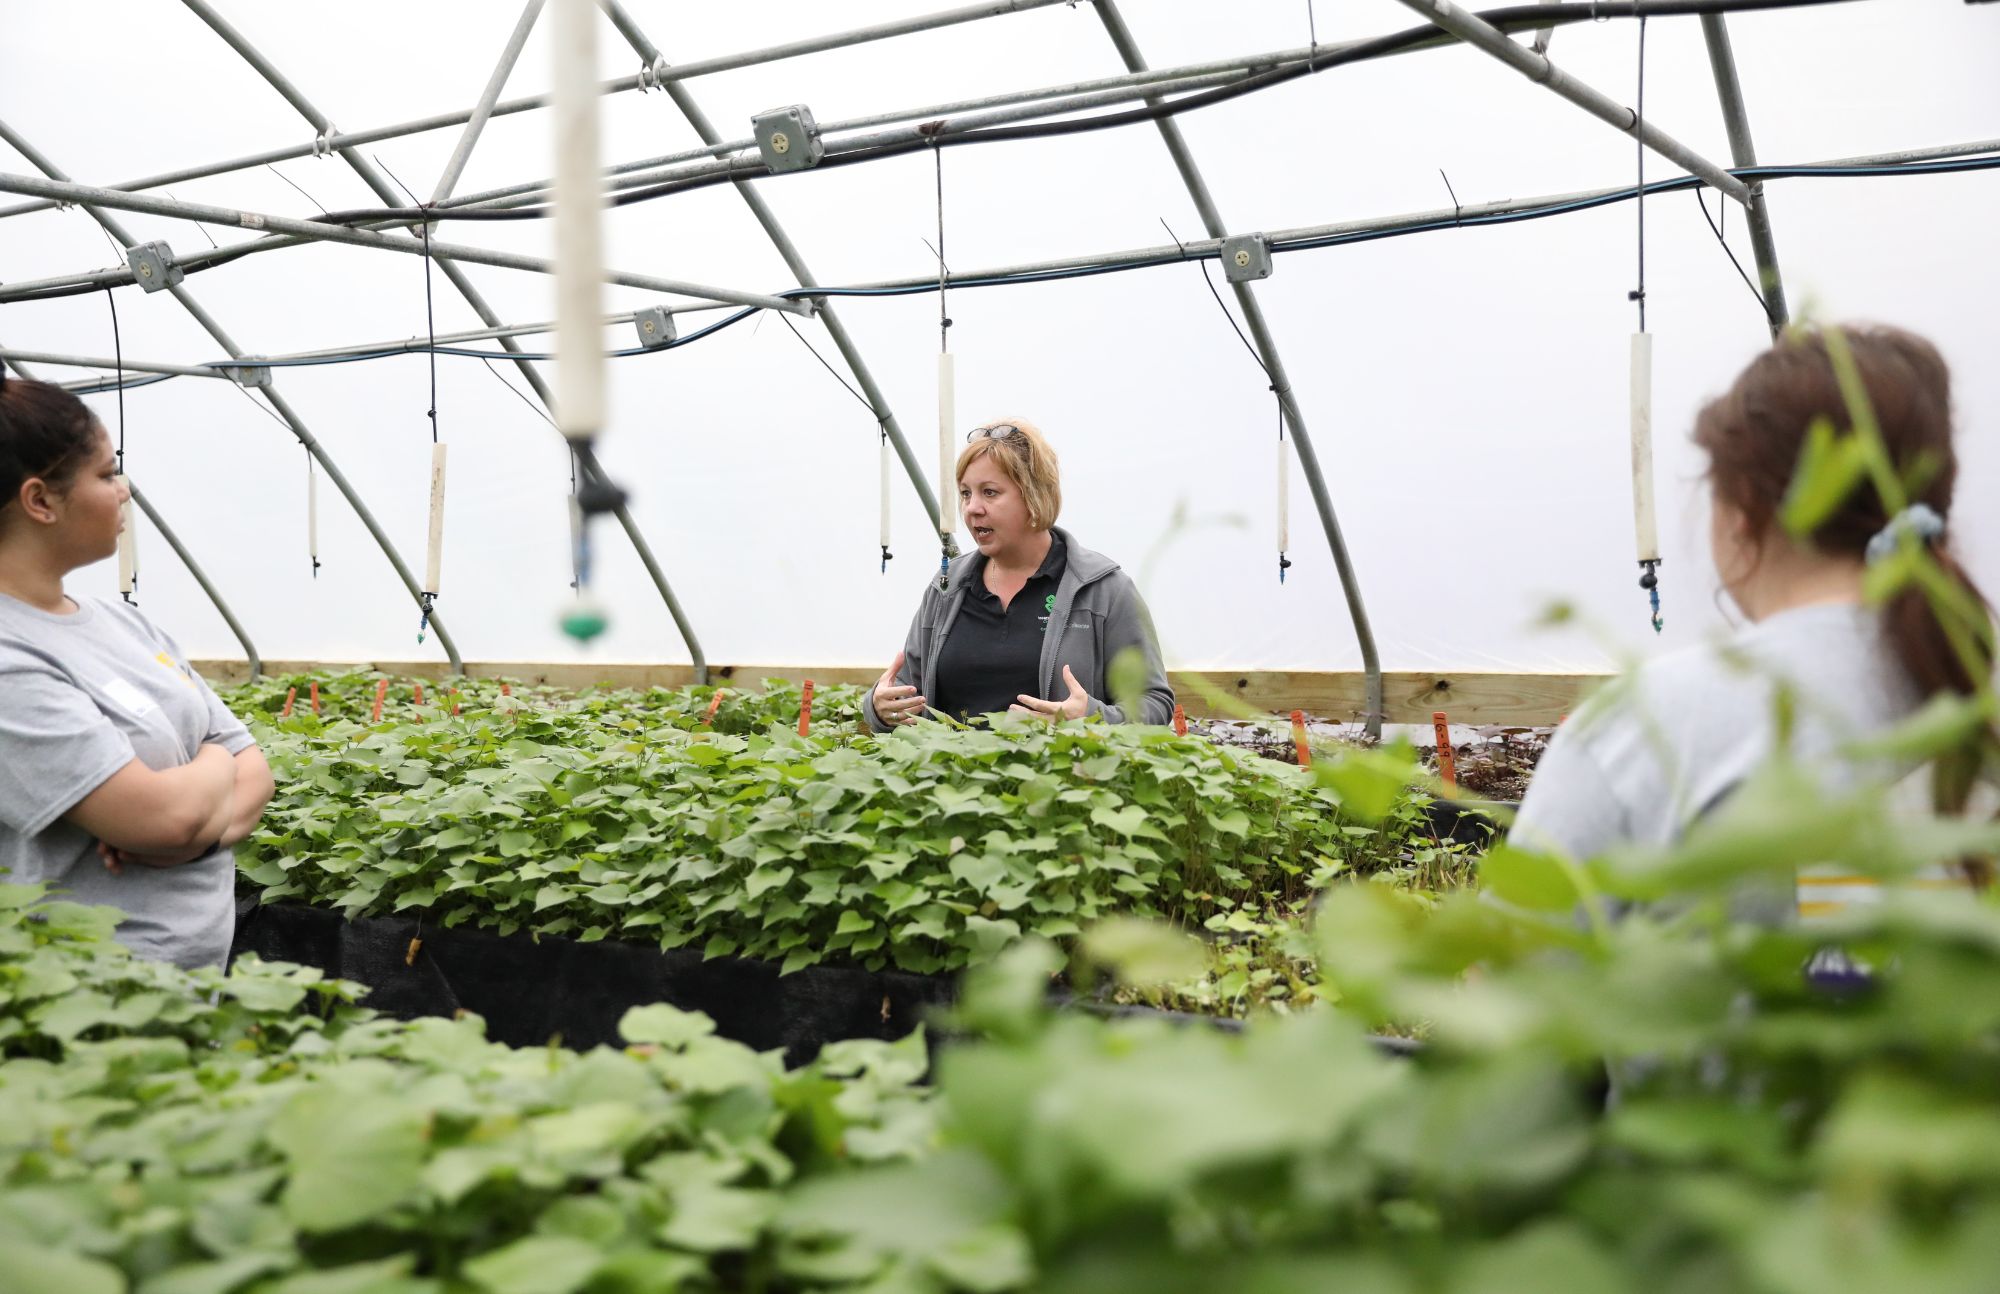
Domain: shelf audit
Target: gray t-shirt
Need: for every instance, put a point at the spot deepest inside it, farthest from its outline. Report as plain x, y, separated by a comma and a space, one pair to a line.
1665, 744
82, 695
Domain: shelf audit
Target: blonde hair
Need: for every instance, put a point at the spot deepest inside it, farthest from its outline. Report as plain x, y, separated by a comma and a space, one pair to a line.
1024, 455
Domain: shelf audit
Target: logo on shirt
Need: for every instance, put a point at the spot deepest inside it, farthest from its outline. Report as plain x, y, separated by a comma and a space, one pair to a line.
1048, 609
176, 667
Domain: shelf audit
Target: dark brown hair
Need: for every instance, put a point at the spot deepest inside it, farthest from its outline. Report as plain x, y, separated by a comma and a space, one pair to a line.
44, 432
1755, 432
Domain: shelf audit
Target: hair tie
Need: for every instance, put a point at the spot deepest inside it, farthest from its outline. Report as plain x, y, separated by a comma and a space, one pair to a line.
1919, 518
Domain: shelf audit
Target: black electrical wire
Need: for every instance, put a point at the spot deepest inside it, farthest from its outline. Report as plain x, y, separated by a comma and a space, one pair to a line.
943, 134
1762, 304
1458, 219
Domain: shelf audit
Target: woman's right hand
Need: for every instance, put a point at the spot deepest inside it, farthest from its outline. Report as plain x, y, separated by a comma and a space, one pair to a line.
897, 703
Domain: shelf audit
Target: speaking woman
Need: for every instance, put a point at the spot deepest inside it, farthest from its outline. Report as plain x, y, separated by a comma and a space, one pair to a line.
1031, 622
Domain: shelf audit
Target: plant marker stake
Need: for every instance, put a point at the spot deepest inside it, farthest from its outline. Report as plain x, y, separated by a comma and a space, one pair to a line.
714, 704
1447, 758
806, 708
454, 703
1180, 722
291, 695
417, 693
506, 689
381, 695
1299, 739
315, 698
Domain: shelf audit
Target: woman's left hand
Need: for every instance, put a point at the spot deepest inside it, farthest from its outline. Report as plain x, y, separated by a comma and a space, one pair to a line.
1073, 706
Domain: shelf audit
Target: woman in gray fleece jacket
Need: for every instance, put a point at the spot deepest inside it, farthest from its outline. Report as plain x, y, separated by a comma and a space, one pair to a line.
1030, 622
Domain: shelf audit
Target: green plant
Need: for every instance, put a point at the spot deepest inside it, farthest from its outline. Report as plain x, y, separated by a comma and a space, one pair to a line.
178, 1133
928, 849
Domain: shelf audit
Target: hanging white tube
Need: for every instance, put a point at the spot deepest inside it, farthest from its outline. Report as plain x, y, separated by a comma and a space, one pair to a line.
885, 489
312, 515
579, 200
434, 556
1644, 519
947, 461
128, 542
1284, 496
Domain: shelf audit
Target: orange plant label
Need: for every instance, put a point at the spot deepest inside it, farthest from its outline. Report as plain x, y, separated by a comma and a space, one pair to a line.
806, 708
1447, 763
291, 695
381, 695
1180, 722
1299, 739
315, 698
714, 704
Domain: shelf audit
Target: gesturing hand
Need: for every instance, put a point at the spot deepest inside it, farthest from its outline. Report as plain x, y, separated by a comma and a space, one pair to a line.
896, 703
1073, 706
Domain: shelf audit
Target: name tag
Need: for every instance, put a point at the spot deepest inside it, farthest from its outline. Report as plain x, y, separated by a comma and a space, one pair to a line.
129, 698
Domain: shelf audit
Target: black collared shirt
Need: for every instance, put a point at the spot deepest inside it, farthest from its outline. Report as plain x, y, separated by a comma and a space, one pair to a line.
993, 654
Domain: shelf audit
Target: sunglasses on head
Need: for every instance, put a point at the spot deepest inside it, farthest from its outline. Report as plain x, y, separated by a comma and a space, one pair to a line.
1001, 432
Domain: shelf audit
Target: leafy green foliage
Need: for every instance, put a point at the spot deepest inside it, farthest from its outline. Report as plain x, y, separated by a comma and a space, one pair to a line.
177, 1133
931, 848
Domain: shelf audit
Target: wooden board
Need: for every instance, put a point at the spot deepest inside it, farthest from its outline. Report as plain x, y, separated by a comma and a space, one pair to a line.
1472, 697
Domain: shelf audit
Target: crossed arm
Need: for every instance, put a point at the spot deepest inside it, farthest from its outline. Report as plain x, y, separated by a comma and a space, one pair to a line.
163, 818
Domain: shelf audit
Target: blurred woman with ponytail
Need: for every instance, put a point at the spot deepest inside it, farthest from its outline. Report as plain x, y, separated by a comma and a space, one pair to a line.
1646, 759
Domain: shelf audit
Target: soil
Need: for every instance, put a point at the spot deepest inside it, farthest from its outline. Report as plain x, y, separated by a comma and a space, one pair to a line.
1494, 762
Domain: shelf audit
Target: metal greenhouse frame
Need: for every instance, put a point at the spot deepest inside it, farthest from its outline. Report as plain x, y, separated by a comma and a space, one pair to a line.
406, 227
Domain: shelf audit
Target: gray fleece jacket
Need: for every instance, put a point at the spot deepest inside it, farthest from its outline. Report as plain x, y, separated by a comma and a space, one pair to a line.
1098, 614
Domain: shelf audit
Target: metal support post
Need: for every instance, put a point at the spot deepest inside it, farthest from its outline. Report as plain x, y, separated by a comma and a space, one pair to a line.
181, 294
320, 231
200, 578
1267, 350
1482, 35
459, 280
330, 140
1742, 152
775, 231
462, 153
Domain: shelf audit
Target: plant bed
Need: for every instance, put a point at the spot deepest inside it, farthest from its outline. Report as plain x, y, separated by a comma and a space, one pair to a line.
532, 990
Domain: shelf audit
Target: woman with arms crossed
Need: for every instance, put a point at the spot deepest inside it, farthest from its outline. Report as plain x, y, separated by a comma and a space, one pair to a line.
1031, 622
123, 779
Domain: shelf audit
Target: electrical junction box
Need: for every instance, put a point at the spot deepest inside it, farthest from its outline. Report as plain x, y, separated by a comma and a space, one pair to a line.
787, 138
251, 374
1246, 257
153, 266
656, 327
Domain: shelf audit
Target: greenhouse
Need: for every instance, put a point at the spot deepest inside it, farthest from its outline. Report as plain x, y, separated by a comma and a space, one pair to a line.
1040, 645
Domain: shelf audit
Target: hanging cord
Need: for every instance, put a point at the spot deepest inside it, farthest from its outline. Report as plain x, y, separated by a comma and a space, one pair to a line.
118, 358
426, 599
1638, 294
881, 424
944, 348
1748, 282
1649, 577
312, 510
1271, 381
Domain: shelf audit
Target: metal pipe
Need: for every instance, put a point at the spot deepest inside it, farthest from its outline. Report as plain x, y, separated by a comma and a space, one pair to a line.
92, 361
650, 77
305, 437
1476, 32
200, 577
1437, 218
1743, 152
1267, 350
878, 402
91, 195
462, 152
458, 278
